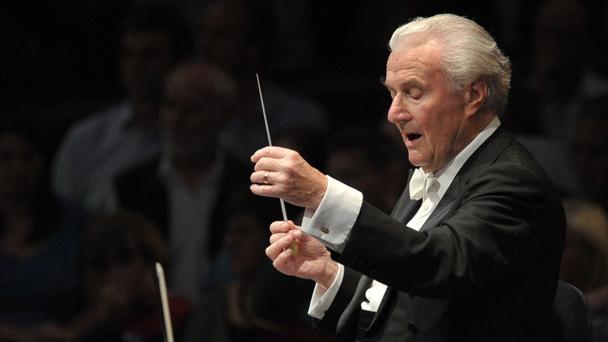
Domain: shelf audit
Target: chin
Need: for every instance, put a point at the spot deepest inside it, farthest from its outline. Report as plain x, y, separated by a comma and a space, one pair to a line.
416, 162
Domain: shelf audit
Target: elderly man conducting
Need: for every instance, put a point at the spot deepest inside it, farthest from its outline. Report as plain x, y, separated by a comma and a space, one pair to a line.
472, 249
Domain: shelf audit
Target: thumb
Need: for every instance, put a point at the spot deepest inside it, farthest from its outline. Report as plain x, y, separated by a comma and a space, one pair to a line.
292, 225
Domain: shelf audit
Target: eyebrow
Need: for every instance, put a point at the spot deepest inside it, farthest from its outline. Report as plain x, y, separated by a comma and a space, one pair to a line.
412, 82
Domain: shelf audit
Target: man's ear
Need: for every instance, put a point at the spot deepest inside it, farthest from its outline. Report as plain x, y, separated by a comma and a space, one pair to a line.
476, 94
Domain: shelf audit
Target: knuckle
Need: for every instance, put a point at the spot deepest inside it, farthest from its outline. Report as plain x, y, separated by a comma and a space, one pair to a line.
279, 189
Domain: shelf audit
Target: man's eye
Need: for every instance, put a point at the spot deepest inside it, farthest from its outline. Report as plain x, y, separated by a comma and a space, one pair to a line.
415, 93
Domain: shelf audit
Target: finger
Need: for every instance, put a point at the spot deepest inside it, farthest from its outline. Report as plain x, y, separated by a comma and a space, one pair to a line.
275, 237
271, 152
296, 234
268, 164
292, 225
277, 248
271, 190
282, 260
260, 177
264, 190
279, 227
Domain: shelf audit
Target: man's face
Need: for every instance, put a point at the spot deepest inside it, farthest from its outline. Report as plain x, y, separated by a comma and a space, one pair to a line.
191, 115
429, 114
144, 61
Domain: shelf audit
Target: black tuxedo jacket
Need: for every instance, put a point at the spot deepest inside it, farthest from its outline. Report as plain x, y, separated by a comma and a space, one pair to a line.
483, 267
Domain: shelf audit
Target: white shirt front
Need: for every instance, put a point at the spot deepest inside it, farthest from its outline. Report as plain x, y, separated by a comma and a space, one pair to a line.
340, 208
190, 228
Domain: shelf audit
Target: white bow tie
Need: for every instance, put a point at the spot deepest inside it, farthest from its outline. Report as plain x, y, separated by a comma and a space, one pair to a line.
422, 183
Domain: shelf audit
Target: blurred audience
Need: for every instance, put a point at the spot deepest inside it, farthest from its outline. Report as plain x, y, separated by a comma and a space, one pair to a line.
367, 161
123, 303
238, 36
590, 149
585, 258
562, 74
95, 149
556, 158
250, 301
40, 240
184, 188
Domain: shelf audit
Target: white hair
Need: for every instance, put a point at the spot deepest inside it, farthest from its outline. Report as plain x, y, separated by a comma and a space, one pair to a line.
468, 52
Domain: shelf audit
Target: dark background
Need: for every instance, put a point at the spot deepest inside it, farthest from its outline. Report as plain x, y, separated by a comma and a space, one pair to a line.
59, 58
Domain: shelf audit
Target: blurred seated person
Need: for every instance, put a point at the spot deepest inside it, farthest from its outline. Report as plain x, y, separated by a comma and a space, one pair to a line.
252, 302
123, 303
96, 148
183, 189
238, 36
40, 239
585, 258
590, 149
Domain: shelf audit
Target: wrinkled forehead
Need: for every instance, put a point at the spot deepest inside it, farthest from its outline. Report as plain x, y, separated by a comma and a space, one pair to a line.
421, 54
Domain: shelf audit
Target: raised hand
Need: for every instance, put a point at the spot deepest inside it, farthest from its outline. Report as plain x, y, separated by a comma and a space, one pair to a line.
283, 173
313, 260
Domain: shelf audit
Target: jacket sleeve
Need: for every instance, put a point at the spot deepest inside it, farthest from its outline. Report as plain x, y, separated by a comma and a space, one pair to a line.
505, 218
342, 300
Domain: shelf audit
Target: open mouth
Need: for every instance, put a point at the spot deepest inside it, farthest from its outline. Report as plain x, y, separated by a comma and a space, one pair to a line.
413, 136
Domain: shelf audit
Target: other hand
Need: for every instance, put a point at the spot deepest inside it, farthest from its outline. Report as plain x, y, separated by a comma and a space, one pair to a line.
282, 173
313, 260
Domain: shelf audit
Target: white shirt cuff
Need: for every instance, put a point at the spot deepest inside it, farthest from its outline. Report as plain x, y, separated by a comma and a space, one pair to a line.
322, 298
334, 218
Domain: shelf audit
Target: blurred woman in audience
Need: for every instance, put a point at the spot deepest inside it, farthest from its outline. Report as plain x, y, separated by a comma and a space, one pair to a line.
123, 303
40, 240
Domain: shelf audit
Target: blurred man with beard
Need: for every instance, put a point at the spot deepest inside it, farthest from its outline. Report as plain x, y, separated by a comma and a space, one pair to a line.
184, 188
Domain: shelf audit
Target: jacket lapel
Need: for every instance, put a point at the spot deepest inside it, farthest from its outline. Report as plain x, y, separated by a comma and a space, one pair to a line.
443, 207
405, 208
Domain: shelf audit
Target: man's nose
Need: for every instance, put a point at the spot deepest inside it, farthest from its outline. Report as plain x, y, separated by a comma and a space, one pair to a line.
398, 112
